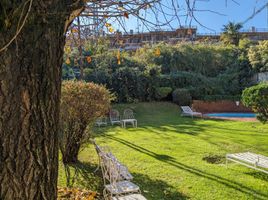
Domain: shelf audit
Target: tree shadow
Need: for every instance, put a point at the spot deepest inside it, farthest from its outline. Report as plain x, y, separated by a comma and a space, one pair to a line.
178, 129
192, 128
82, 175
157, 189
181, 126
258, 175
213, 177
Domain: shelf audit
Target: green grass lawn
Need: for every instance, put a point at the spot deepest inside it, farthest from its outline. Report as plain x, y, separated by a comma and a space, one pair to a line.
176, 158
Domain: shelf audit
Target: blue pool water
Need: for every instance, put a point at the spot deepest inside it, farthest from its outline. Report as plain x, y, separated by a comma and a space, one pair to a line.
238, 115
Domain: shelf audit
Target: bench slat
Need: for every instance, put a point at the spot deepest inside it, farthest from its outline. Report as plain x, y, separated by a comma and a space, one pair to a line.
249, 159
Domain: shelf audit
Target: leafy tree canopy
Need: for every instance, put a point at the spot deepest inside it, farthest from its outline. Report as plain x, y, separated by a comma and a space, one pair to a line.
258, 56
256, 97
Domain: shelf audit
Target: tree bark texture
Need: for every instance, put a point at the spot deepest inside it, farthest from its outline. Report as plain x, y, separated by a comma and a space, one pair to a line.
30, 81
72, 141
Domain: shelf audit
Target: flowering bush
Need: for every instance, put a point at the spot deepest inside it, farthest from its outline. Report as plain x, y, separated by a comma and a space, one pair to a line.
81, 104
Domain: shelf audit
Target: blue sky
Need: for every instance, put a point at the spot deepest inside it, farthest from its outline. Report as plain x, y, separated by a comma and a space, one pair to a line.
231, 11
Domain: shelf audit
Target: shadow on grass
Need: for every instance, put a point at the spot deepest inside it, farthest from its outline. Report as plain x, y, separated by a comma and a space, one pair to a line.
82, 175
180, 125
157, 189
179, 128
213, 177
258, 175
191, 127
176, 124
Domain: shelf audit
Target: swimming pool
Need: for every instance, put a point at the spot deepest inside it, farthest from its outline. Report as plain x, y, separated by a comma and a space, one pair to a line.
232, 115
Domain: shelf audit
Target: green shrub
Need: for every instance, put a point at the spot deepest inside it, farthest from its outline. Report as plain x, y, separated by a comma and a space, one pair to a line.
202, 69
162, 92
87, 73
256, 97
182, 97
81, 104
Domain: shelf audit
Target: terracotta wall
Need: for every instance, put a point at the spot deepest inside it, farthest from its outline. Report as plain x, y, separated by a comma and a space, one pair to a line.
218, 106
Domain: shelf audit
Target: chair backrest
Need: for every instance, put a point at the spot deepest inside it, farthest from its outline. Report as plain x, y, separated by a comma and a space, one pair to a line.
97, 147
101, 120
110, 169
186, 109
128, 114
114, 115
98, 120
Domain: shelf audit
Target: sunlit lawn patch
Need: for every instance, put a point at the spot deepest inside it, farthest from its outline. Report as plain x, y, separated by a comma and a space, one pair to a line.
175, 158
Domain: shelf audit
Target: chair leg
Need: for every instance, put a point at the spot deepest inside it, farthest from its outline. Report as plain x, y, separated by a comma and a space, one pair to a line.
97, 167
105, 195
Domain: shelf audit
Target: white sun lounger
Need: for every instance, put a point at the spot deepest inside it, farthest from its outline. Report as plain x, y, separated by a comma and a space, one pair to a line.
251, 160
187, 111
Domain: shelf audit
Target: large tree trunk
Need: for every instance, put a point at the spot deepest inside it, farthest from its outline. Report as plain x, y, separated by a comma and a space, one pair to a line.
30, 77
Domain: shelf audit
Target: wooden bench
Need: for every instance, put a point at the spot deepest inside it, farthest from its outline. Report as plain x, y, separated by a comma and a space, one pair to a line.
251, 160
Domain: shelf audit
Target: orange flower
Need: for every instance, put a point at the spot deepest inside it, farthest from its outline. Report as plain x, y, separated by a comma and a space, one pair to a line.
111, 30
126, 15
118, 57
157, 52
89, 59
67, 49
74, 30
68, 61
107, 24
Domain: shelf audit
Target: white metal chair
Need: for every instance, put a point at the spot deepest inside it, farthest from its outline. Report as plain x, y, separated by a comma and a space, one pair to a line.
99, 150
128, 118
251, 160
116, 178
114, 117
114, 187
187, 111
101, 122
130, 197
124, 172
